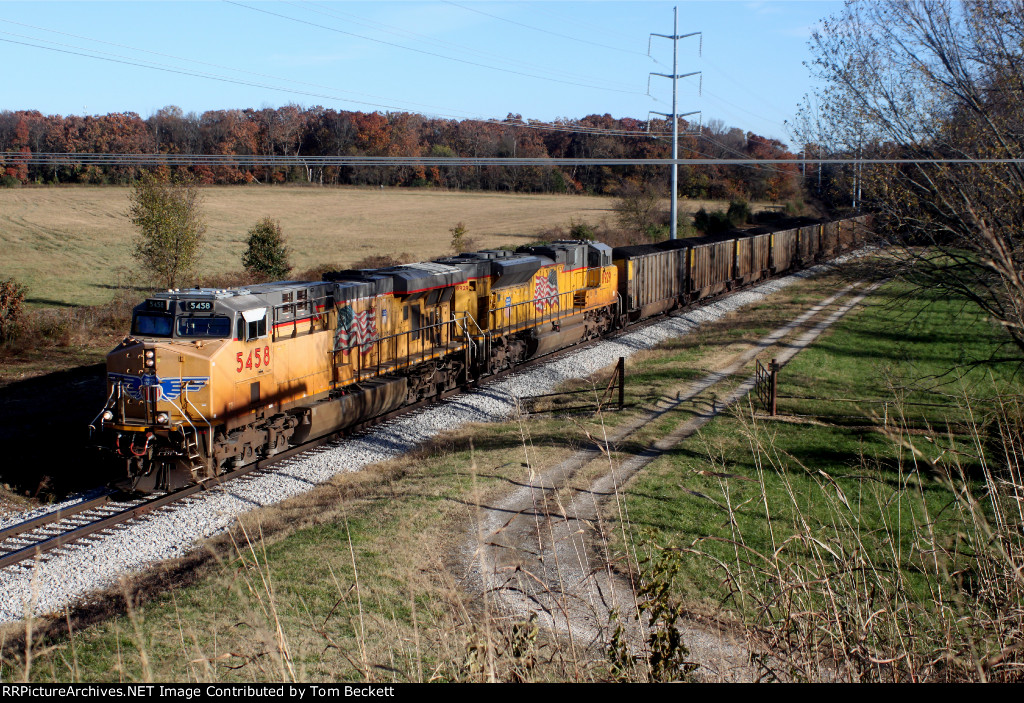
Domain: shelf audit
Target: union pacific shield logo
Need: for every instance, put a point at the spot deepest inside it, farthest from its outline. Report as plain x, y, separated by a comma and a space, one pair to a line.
143, 387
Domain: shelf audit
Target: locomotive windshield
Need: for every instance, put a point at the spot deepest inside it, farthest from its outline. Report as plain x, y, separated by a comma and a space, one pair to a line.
218, 327
147, 324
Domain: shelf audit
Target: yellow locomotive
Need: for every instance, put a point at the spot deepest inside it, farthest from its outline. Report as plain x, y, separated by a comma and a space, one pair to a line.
213, 379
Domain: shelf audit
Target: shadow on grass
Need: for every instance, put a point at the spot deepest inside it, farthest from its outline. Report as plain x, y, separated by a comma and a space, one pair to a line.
52, 303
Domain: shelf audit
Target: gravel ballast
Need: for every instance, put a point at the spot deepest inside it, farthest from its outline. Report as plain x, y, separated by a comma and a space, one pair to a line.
71, 573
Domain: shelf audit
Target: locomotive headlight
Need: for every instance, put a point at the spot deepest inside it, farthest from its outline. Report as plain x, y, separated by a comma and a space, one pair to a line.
161, 418
150, 353
107, 416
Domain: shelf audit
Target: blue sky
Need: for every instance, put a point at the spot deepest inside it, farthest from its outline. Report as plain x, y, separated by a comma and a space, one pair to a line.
456, 59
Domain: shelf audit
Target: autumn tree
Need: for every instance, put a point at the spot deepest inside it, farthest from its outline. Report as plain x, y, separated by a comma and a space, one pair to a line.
939, 85
636, 208
12, 297
266, 255
167, 213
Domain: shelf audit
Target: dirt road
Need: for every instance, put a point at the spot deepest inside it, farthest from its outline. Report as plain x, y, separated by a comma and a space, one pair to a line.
541, 550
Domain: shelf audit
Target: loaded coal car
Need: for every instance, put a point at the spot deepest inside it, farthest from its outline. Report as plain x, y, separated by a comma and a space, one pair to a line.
651, 280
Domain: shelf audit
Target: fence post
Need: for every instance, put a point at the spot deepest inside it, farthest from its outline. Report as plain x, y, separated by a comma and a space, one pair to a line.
774, 387
622, 382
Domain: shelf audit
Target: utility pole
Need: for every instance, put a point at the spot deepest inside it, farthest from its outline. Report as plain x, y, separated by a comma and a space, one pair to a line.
819, 169
674, 116
856, 179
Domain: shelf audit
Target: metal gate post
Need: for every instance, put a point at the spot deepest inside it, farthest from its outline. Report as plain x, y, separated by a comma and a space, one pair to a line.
622, 381
775, 387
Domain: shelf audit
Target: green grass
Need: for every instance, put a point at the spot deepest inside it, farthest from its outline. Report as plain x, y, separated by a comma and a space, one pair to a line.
292, 606
405, 522
915, 353
806, 523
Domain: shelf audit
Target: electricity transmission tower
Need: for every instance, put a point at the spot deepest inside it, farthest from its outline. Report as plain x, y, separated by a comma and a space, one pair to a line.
674, 116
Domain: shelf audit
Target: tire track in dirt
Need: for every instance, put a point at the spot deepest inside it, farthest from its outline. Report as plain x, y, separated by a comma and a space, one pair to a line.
540, 550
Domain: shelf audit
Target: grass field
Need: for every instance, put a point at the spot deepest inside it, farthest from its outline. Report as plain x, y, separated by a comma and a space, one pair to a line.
68, 244
356, 581
887, 485
71, 246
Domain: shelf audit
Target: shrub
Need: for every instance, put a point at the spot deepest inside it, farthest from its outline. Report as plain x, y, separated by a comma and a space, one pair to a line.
795, 207
8, 181
657, 233
460, 242
380, 261
738, 213
636, 208
711, 222
266, 255
581, 230
12, 297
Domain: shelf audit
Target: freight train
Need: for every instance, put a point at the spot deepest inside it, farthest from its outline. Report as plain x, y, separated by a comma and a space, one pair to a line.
213, 379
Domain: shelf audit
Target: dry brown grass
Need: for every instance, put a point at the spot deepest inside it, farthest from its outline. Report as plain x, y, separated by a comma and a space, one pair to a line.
69, 244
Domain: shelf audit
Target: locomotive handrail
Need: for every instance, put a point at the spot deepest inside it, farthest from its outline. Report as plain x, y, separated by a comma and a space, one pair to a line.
182, 413
379, 342
533, 320
209, 425
294, 317
480, 330
465, 329
106, 406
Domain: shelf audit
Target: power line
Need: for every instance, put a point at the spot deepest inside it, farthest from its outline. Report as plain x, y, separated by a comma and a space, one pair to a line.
145, 159
389, 29
545, 31
746, 89
443, 112
424, 52
140, 63
186, 72
576, 21
193, 61
734, 151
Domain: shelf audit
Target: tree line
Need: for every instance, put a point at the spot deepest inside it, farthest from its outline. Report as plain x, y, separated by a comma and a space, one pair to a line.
317, 131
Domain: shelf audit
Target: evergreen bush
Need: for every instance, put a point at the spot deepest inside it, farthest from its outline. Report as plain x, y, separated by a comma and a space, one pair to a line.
267, 255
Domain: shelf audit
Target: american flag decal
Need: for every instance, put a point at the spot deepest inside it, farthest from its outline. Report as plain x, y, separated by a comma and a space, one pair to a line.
355, 329
546, 290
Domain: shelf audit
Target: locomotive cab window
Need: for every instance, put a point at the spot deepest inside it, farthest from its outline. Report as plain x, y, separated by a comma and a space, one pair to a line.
146, 324
253, 324
217, 327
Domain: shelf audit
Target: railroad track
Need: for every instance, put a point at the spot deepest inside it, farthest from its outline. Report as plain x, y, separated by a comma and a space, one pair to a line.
32, 539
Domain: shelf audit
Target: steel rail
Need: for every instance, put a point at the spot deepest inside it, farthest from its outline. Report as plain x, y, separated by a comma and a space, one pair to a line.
54, 516
118, 518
